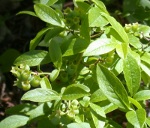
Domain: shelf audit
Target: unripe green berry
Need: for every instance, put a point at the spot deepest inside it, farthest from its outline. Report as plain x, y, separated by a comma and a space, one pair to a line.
16, 72
135, 26
25, 75
128, 27
86, 98
24, 66
26, 85
35, 82
74, 102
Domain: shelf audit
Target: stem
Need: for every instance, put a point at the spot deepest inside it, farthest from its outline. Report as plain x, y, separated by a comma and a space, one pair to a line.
41, 73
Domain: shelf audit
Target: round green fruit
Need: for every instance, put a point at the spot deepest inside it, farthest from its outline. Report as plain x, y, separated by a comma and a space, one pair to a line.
26, 86
74, 103
25, 75
35, 82
135, 26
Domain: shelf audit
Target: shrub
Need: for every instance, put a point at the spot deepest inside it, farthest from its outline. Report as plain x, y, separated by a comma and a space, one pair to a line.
95, 66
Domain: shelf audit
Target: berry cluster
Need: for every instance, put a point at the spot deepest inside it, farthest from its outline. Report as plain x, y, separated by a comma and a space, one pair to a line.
25, 78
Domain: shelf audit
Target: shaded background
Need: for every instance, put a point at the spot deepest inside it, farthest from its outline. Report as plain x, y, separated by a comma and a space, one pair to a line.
16, 31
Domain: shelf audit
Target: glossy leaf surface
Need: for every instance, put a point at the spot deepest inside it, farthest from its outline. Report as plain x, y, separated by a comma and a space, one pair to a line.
14, 121
112, 87
132, 74
75, 91
48, 15
33, 58
40, 95
137, 118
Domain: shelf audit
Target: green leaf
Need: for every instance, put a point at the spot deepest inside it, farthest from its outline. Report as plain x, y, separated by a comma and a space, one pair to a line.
99, 47
14, 121
78, 125
33, 58
101, 6
135, 102
145, 57
48, 2
27, 12
50, 34
148, 121
42, 110
134, 41
97, 122
98, 110
74, 46
75, 91
118, 67
112, 87
145, 3
85, 29
145, 67
132, 74
145, 78
55, 53
45, 83
122, 50
96, 20
142, 95
137, 118
145, 30
40, 95
107, 106
48, 15
34, 42
84, 7
98, 96
54, 74
20, 109
117, 26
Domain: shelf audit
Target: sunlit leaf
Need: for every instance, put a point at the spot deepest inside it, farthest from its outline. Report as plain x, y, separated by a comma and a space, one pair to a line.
97, 122
78, 125
98, 110
40, 95
14, 121
117, 26
33, 58
142, 95
112, 87
101, 6
145, 67
99, 47
75, 91
45, 83
132, 74
137, 118
48, 15
95, 18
